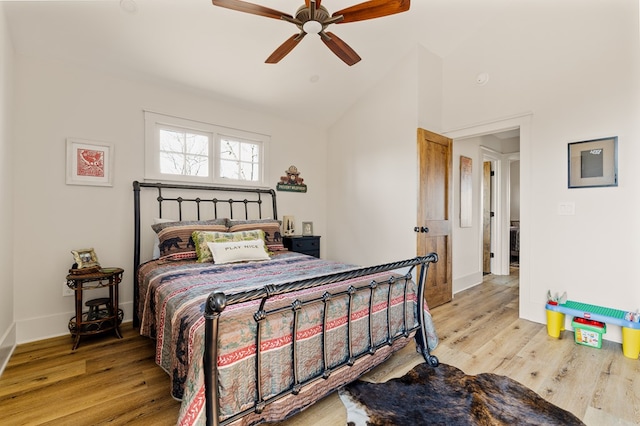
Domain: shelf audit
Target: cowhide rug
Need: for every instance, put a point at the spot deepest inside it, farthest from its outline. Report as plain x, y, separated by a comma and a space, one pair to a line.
444, 395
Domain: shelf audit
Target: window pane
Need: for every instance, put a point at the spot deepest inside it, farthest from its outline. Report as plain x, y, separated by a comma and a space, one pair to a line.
229, 150
229, 169
239, 160
171, 141
249, 171
197, 165
183, 153
171, 163
187, 165
197, 144
249, 152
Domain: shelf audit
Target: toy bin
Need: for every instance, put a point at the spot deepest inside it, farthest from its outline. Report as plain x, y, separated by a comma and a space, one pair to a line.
588, 332
630, 342
555, 323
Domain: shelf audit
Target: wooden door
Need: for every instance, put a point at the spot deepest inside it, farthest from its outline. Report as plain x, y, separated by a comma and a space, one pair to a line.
434, 212
486, 218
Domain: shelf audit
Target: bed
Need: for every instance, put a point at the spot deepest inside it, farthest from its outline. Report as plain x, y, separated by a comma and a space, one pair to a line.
258, 340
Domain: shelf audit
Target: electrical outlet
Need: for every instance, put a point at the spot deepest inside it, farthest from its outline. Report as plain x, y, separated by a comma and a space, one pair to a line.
66, 291
567, 208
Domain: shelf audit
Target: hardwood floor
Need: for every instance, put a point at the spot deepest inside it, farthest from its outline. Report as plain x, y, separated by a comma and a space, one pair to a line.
110, 381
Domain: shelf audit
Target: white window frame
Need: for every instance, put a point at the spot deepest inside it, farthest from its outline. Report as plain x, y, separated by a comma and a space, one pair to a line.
154, 122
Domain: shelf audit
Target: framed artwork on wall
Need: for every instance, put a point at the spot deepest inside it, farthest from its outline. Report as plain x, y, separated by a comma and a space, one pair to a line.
593, 163
89, 163
466, 192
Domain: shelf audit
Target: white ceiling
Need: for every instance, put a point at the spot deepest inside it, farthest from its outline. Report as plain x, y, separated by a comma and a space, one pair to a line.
221, 52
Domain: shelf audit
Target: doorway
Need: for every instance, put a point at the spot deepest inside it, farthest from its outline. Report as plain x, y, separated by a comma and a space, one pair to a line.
500, 244
487, 216
498, 204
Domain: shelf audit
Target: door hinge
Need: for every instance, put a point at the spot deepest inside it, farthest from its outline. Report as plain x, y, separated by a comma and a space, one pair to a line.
492, 214
493, 173
491, 255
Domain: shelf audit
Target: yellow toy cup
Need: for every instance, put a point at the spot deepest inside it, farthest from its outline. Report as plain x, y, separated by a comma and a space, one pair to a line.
555, 323
630, 342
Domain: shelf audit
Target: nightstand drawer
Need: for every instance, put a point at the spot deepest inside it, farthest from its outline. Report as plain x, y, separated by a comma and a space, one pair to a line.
306, 244
303, 244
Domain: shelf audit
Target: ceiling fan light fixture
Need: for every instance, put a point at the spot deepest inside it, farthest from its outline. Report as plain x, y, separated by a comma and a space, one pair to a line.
312, 27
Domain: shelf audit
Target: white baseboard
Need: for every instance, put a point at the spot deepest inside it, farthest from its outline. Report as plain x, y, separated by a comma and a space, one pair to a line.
7, 346
466, 282
33, 329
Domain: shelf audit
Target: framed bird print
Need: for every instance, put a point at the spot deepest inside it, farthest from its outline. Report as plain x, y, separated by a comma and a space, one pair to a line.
89, 163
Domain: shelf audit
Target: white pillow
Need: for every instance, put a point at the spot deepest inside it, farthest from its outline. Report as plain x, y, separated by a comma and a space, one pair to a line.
156, 240
238, 251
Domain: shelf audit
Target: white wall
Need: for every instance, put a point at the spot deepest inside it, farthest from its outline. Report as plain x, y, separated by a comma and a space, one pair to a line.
372, 169
55, 101
576, 69
429, 90
7, 325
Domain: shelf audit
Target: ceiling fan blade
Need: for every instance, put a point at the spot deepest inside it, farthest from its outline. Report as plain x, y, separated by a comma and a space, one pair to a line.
284, 49
243, 6
372, 9
340, 48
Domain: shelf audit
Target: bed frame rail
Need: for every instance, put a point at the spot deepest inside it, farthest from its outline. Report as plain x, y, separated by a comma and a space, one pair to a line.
217, 302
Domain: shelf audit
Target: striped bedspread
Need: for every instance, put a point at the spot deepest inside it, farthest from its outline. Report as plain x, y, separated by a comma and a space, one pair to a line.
173, 296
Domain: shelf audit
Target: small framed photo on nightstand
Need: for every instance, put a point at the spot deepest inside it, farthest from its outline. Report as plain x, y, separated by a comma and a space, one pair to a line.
307, 228
85, 258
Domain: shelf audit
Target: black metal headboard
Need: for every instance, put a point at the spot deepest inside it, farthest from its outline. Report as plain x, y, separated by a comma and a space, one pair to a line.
195, 202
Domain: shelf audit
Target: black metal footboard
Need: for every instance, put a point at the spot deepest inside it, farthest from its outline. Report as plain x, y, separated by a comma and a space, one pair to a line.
217, 302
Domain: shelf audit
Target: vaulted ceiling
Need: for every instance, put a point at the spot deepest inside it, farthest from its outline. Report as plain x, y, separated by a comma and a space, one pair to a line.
221, 52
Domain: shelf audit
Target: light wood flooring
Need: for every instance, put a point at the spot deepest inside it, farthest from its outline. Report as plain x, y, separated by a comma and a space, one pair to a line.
110, 381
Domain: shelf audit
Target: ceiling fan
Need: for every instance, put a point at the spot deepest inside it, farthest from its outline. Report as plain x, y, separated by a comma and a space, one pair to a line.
312, 18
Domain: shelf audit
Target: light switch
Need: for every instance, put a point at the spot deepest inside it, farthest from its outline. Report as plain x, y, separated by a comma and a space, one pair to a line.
566, 208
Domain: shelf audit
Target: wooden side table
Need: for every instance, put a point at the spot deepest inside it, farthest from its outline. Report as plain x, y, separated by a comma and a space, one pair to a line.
306, 244
103, 314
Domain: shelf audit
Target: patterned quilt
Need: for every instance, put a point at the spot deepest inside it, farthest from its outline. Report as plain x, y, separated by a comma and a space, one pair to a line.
173, 296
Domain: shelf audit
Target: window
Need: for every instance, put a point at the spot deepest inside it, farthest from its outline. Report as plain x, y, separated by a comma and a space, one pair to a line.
183, 152
239, 159
189, 151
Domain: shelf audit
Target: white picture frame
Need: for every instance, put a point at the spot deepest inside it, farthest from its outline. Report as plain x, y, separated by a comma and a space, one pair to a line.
89, 163
307, 229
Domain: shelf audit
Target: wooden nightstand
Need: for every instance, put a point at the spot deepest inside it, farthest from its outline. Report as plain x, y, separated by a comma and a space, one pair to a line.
306, 244
103, 314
